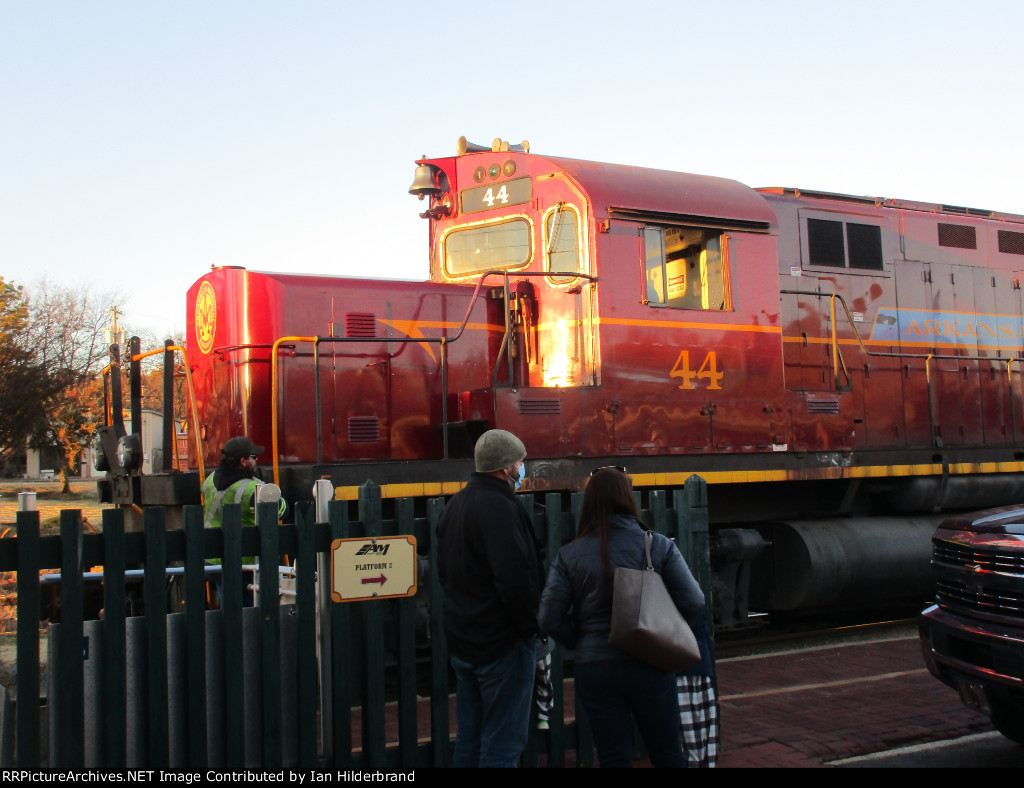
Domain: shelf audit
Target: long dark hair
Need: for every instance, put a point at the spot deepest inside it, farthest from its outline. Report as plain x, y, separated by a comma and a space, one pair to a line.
609, 492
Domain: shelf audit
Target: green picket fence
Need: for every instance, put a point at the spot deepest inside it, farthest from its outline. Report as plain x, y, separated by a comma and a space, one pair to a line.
191, 688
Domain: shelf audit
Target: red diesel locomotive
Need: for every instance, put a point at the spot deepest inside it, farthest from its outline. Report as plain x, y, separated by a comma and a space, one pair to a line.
838, 368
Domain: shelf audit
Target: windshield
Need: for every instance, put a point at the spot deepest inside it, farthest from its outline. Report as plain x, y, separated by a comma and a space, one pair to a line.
487, 247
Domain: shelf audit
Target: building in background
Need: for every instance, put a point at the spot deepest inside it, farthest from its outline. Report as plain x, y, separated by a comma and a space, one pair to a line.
43, 464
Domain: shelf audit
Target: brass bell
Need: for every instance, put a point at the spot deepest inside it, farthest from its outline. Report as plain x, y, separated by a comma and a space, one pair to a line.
423, 183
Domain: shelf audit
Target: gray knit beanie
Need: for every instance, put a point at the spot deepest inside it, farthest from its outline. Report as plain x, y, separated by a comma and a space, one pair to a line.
497, 449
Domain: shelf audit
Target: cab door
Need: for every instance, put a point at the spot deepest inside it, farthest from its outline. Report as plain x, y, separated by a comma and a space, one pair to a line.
553, 351
555, 324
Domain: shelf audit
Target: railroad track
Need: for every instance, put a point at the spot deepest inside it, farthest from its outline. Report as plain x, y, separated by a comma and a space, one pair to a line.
778, 638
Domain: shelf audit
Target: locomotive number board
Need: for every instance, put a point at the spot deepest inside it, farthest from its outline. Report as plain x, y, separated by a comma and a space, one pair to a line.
496, 195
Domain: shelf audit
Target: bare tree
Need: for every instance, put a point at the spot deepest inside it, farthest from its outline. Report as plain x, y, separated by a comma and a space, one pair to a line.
67, 326
66, 331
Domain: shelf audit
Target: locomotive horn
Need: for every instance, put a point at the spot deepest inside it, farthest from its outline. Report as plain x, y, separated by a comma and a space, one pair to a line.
465, 146
502, 145
423, 182
499, 145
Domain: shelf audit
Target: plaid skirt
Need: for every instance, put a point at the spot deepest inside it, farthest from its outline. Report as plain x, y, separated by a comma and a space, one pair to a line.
698, 720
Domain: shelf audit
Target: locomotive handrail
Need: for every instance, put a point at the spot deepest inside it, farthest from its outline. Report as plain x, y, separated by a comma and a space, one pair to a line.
927, 357
191, 400
506, 339
443, 342
860, 341
316, 340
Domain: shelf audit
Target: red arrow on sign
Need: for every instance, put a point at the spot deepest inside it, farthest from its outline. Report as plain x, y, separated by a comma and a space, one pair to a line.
382, 580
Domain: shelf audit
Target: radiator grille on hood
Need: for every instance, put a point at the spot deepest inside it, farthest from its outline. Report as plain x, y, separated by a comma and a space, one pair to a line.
539, 407
359, 324
363, 429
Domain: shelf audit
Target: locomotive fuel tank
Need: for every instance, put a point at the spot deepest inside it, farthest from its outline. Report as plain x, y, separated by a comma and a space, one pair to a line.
843, 563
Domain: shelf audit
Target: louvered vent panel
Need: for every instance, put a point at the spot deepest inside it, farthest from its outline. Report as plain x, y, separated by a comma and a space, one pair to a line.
823, 406
958, 236
358, 324
1011, 242
538, 407
363, 429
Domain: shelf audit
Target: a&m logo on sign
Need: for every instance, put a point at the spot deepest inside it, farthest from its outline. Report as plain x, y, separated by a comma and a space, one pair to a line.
206, 317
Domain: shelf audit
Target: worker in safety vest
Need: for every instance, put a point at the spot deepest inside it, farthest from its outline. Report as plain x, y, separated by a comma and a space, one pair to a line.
234, 481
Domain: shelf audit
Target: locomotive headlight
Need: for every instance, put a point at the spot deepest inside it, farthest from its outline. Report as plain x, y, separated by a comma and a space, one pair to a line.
129, 452
99, 459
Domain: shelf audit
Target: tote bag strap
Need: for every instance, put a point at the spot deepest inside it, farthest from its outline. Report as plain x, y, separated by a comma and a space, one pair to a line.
648, 541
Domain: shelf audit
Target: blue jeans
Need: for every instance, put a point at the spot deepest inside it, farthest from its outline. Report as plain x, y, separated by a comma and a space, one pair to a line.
615, 693
492, 708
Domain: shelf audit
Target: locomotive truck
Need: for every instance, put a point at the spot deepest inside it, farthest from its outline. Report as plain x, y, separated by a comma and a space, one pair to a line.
842, 370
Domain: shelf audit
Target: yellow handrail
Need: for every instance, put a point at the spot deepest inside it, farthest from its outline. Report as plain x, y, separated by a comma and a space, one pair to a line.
273, 399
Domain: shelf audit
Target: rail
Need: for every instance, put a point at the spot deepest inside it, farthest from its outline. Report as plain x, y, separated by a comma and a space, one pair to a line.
837, 360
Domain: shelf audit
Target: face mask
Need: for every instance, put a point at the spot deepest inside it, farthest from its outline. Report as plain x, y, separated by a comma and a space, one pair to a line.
522, 475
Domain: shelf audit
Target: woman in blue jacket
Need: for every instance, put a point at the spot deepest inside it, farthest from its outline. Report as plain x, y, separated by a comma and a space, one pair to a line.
576, 609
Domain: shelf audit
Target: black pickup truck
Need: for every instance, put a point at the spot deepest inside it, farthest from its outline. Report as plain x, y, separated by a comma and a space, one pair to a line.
973, 636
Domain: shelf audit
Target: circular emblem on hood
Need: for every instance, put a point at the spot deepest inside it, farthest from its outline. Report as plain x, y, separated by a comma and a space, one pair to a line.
206, 317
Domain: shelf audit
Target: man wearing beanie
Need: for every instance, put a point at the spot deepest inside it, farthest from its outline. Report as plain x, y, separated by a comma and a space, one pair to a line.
490, 573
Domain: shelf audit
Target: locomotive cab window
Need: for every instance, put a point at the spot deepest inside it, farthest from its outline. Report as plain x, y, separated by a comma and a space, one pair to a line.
487, 247
685, 268
561, 242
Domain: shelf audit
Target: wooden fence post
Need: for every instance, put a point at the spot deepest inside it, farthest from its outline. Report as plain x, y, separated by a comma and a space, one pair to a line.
306, 642
439, 721
27, 713
407, 732
341, 655
195, 629
231, 613
374, 738
115, 673
270, 634
70, 711
155, 596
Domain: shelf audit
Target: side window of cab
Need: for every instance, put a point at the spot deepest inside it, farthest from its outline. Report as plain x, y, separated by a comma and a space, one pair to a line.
561, 242
686, 268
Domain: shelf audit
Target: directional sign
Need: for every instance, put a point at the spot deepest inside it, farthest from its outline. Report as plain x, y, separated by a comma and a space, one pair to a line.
373, 568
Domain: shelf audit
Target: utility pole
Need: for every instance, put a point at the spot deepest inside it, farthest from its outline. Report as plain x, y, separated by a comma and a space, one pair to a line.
112, 333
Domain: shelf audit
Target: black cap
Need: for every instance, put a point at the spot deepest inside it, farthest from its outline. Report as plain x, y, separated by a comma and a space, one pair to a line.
240, 447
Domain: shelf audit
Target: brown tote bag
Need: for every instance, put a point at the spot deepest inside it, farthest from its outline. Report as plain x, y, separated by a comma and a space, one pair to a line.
646, 623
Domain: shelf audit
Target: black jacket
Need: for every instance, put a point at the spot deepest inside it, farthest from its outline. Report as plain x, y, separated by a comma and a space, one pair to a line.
488, 567
576, 609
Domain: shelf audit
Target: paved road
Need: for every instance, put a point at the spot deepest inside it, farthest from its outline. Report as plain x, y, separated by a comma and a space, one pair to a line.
821, 702
981, 750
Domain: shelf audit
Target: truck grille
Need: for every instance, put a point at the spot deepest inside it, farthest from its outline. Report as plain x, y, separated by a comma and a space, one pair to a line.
989, 560
977, 581
961, 596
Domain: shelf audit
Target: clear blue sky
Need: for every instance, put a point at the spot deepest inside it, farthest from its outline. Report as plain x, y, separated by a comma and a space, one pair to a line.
142, 142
